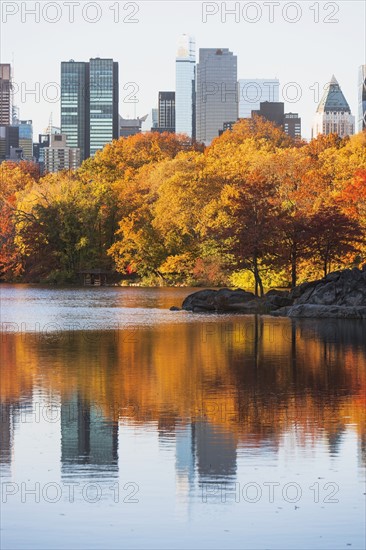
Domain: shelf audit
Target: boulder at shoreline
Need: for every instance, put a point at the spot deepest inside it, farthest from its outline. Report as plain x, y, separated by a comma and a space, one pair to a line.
340, 295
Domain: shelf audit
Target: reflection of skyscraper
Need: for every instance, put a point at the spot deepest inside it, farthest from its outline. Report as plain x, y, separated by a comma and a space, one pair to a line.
215, 451
6, 430
334, 440
362, 450
185, 86
184, 454
87, 437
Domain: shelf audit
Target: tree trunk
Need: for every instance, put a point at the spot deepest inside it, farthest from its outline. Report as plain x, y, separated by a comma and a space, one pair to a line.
260, 284
293, 267
257, 277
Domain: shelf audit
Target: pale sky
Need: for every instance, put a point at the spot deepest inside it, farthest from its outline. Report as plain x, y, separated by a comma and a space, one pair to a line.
324, 38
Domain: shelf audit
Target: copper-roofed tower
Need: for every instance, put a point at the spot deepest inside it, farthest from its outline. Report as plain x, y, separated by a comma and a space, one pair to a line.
333, 115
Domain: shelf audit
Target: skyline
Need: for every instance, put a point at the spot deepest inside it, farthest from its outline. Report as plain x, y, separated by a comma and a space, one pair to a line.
149, 66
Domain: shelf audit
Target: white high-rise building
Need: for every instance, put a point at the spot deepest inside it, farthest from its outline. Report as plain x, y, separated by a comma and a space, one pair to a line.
333, 115
253, 91
185, 86
59, 157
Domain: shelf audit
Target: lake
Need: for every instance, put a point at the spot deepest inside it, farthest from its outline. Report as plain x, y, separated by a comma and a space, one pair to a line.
126, 425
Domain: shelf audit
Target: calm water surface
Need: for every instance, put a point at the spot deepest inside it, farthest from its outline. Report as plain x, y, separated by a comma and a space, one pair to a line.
125, 425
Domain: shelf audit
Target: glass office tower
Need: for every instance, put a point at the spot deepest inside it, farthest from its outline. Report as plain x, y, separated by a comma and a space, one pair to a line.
254, 91
89, 104
103, 103
26, 138
185, 86
362, 98
75, 105
216, 92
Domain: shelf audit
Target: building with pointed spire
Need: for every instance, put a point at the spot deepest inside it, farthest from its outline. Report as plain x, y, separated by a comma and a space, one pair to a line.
333, 115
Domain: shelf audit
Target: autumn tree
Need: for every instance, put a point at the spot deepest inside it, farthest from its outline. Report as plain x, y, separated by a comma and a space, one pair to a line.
247, 222
14, 177
333, 236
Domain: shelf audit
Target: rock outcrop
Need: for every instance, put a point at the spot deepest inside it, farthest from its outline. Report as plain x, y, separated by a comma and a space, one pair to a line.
341, 294
223, 300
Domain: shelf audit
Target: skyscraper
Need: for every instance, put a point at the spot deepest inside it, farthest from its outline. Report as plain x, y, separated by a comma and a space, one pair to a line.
89, 104
103, 103
166, 112
26, 138
216, 92
333, 114
9, 139
75, 105
185, 115
362, 98
253, 91
5, 94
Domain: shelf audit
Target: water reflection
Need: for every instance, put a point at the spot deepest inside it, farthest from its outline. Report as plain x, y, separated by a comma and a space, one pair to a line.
169, 413
211, 387
87, 439
6, 432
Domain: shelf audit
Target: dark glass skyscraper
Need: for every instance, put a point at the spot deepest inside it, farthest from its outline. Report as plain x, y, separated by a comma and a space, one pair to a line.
89, 104
103, 103
166, 112
75, 105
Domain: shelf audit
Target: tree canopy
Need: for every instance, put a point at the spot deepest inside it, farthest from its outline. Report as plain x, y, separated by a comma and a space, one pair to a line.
255, 206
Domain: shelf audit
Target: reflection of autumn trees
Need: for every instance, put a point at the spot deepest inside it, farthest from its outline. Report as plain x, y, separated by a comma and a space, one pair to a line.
255, 378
